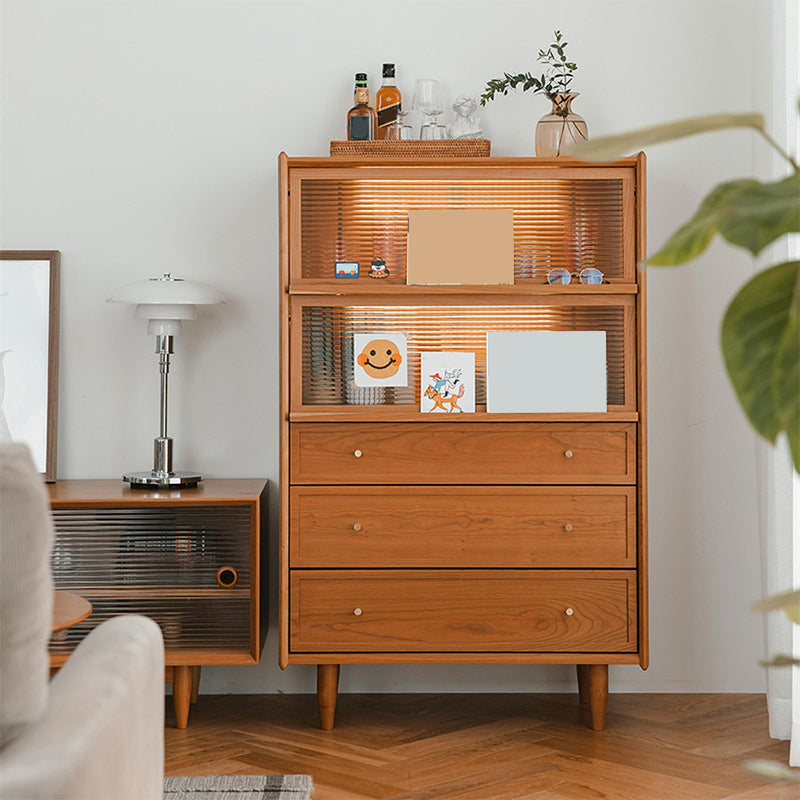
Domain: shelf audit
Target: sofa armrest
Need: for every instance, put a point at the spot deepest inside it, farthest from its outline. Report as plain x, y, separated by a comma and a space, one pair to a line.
102, 735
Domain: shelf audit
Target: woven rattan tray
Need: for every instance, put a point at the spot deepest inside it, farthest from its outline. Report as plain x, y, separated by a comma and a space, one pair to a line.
452, 148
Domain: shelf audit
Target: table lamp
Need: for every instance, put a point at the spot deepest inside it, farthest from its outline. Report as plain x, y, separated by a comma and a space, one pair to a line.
164, 302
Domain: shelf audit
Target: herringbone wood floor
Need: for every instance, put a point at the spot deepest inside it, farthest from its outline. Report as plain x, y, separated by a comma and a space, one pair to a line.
487, 747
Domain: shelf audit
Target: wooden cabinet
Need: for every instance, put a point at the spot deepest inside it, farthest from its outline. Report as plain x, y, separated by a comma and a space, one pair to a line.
471, 538
192, 559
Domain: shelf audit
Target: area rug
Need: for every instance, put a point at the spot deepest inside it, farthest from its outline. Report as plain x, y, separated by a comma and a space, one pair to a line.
238, 787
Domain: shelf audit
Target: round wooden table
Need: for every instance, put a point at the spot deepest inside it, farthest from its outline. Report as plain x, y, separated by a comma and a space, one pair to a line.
69, 609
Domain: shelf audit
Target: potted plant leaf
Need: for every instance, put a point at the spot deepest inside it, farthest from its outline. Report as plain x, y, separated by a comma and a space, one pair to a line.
561, 125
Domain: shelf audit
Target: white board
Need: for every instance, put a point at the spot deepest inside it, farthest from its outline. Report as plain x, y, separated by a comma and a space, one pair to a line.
530, 372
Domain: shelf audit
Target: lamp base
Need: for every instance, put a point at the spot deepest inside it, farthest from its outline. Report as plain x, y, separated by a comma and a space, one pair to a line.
155, 480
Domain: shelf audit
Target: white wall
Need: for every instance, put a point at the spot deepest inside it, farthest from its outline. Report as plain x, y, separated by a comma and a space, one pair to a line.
139, 137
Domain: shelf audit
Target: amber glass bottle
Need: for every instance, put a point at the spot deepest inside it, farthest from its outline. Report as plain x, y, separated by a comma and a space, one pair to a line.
387, 101
362, 121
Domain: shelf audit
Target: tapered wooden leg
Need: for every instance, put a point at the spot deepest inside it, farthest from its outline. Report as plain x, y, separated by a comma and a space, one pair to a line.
327, 687
593, 685
181, 694
195, 683
583, 682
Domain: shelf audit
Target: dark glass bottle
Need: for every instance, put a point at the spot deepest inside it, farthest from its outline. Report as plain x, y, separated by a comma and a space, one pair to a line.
387, 101
362, 121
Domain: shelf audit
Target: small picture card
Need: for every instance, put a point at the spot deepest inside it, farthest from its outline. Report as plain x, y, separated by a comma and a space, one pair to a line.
346, 269
447, 382
379, 359
530, 372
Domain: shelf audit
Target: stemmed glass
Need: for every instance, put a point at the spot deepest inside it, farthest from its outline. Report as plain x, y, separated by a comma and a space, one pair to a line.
399, 130
428, 100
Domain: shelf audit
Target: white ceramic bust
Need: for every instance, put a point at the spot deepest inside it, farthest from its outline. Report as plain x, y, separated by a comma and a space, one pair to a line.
466, 125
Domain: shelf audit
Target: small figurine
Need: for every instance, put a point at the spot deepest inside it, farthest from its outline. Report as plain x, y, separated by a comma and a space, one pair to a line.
378, 269
466, 125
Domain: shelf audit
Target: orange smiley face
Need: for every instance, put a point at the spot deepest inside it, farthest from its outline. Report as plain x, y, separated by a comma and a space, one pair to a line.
380, 358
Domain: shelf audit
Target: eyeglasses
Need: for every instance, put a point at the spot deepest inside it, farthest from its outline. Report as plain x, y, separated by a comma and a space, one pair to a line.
590, 276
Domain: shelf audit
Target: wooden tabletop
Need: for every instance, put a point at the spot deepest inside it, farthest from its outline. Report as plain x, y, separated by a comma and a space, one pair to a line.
69, 609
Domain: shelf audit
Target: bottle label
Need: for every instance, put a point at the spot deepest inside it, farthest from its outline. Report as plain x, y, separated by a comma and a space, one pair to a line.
386, 116
358, 128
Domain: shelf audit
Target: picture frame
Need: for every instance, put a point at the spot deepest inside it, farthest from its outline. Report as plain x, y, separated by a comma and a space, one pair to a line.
30, 283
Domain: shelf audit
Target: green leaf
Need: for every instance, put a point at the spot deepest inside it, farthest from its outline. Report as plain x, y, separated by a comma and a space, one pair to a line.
747, 213
762, 355
776, 602
695, 236
608, 148
786, 381
771, 770
780, 661
762, 212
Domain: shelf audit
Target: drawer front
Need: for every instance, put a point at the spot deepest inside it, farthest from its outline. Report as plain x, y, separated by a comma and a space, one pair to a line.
462, 526
468, 453
376, 611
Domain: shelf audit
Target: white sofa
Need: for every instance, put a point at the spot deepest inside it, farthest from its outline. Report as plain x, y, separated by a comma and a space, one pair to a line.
96, 730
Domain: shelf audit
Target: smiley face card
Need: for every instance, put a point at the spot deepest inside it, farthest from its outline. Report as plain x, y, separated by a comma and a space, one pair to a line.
380, 359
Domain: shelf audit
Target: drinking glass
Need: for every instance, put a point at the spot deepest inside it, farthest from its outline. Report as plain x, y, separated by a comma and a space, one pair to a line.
399, 130
428, 100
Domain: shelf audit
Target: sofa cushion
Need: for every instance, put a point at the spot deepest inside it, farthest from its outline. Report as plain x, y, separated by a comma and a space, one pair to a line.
26, 591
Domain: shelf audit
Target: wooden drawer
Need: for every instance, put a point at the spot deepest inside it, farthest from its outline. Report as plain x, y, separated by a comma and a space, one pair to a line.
374, 611
463, 526
468, 453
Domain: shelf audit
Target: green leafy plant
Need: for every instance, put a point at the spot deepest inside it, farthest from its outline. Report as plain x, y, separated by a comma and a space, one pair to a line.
761, 328
554, 81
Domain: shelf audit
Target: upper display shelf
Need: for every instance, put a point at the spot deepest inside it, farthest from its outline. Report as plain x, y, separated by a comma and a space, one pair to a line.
578, 217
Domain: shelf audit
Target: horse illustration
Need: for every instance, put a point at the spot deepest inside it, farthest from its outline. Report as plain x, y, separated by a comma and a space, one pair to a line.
439, 401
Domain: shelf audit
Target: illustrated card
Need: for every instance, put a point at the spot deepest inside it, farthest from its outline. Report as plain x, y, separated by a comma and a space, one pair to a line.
447, 382
380, 359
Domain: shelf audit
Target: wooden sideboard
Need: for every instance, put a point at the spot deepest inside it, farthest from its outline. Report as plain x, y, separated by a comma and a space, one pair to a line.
460, 538
194, 560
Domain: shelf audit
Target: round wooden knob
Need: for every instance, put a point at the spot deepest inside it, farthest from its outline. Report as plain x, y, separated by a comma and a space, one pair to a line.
357, 527
568, 453
357, 612
227, 577
358, 454
568, 527
569, 612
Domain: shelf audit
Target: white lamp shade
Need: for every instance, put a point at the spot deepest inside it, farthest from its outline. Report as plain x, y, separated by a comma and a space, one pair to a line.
165, 301
167, 290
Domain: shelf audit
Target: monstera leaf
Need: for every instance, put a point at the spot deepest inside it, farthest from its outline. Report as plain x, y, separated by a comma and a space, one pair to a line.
761, 346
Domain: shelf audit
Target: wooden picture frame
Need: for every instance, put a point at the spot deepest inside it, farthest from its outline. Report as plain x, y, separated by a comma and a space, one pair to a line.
29, 341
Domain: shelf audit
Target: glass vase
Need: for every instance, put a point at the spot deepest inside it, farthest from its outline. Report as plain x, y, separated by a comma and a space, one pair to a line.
560, 127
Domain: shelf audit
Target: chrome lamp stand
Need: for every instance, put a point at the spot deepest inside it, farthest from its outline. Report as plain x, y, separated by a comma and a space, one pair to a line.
162, 475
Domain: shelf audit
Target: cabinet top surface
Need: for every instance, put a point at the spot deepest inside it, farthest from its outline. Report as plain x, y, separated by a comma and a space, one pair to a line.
215, 491
491, 161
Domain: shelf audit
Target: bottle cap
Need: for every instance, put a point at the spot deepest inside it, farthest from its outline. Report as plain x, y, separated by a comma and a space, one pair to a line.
361, 78
388, 70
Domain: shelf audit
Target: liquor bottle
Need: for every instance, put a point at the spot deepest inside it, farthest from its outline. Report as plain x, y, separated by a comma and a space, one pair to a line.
387, 101
362, 121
